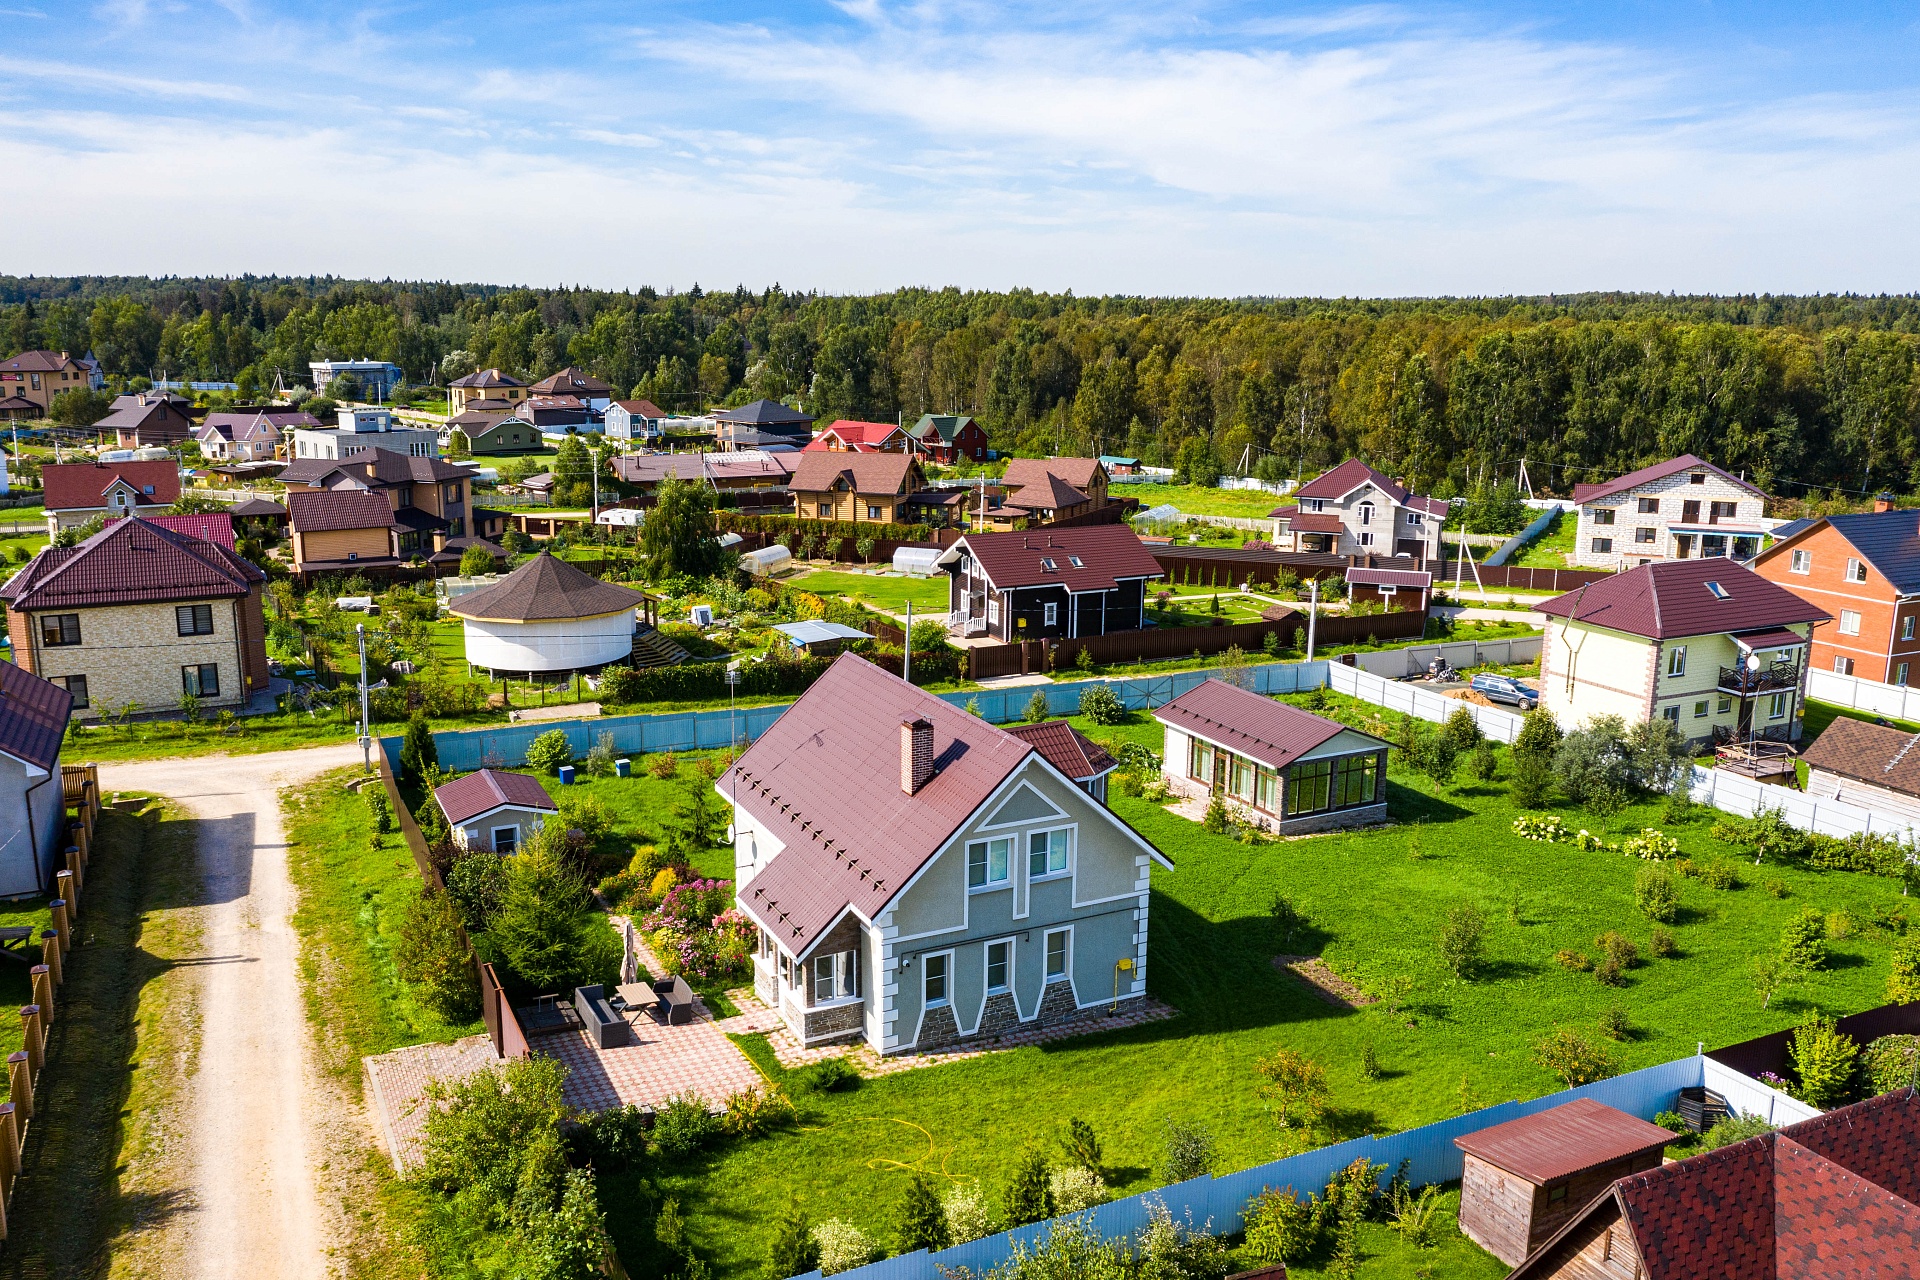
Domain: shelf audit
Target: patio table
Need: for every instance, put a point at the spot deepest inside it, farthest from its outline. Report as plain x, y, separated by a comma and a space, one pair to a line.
16, 942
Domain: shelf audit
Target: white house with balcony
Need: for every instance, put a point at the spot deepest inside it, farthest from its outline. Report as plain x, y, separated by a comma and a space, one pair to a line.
1354, 510
1674, 510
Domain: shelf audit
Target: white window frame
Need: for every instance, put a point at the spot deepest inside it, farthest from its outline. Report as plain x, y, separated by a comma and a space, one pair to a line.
1366, 513
493, 837
1699, 708
1366, 539
1856, 570
1800, 562
1724, 705
1066, 955
945, 999
842, 977
1049, 871
1842, 665
1776, 706
1900, 674
1906, 627
986, 967
1676, 662
1413, 518
989, 881
1849, 623
1050, 614
1671, 714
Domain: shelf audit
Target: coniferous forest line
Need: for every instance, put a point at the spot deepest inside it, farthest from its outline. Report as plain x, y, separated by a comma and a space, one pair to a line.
1799, 393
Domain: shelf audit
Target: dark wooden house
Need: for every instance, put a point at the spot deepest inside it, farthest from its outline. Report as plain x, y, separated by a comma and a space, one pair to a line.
1049, 583
1527, 1178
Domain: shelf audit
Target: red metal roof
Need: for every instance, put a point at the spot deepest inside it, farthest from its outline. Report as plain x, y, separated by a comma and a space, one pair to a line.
487, 378
33, 716
1047, 494
1066, 748
1107, 554
1558, 1143
825, 780
131, 561
319, 511
1671, 598
571, 381
1365, 577
82, 485
1307, 521
873, 434
1585, 493
1345, 478
214, 526
1247, 723
485, 790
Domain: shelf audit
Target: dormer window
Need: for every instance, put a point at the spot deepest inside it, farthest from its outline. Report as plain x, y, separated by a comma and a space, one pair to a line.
1719, 592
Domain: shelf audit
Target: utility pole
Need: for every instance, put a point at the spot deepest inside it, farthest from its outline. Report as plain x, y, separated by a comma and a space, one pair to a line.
906, 649
366, 739
1313, 612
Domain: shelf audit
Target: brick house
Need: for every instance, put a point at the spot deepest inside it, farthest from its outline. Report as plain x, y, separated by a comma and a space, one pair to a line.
1837, 1197
1864, 570
1354, 510
1674, 639
1284, 769
858, 488
1672, 510
949, 437
36, 377
1048, 584
141, 614
76, 492
1524, 1180
920, 878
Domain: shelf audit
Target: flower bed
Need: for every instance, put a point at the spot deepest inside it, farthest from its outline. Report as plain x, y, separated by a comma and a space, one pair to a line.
697, 933
1650, 845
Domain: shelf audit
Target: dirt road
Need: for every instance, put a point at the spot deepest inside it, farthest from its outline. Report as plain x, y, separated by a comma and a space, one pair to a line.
256, 1107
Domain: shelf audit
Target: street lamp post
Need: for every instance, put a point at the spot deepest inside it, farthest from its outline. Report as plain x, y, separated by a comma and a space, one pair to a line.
366, 739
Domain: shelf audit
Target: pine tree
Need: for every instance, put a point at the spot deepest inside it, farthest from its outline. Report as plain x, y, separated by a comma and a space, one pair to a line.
417, 750
793, 1251
1030, 1195
922, 1220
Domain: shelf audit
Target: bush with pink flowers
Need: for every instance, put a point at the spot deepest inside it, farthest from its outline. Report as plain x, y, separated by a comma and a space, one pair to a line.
697, 932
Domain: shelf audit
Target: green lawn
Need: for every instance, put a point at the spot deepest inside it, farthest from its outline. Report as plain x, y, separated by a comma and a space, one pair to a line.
1374, 909
1196, 501
1551, 548
889, 592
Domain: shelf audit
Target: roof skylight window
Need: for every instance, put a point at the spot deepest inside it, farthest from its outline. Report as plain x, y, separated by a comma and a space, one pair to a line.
1076, 562
1048, 564
1719, 592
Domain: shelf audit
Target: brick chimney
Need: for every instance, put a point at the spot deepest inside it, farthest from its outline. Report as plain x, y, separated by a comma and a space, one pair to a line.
1882, 502
916, 754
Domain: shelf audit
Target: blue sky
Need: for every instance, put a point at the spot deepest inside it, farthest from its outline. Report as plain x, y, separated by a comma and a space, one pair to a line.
1200, 148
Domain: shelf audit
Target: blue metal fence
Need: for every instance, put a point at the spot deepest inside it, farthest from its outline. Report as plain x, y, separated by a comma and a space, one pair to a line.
1220, 1201
506, 746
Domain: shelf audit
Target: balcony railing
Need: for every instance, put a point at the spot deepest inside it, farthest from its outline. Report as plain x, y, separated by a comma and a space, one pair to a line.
1776, 678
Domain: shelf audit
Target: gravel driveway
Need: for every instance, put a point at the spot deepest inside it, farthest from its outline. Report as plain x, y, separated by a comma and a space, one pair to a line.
258, 1113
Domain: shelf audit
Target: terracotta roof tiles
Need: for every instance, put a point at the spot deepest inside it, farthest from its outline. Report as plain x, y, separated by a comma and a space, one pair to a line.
1066, 748
1672, 598
485, 790
1247, 723
131, 561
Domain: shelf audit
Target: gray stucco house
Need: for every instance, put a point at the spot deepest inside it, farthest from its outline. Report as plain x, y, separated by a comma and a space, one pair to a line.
921, 878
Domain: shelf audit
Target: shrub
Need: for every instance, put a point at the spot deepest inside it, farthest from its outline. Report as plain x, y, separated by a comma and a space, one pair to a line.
1903, 980
1574, 960
1539, 736
664, 765
1037, 708
793, 1250
599, 761
379, 809
1279, 1227
1825, 1061
1733, 1129
1614, 1024
1415, 1217
612, 1139
1187, 1151
919, 1222
1610, 973
432, 955
966, 1214
1217, 819
1463, 729
1680, 807
1890, 1061
1717, 874
1594, 759
1656, 895
1101, 705
418, 753
548, 752
1618, 948
543, 928
475, 883
1650, 846
1080, 1145
1575, 1058
1532, 782
1485, 765
1463, 941
830, 1075
1662, 944
683, 1126
1029, 1197
1076, 1189
1778, 889
1548, 829
1369, 1062
842, 1246
755, 1113
1803, 943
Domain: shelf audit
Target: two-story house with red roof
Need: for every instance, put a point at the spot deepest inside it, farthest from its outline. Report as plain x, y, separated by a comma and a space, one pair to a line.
922, 879
1672, 510
1354, 510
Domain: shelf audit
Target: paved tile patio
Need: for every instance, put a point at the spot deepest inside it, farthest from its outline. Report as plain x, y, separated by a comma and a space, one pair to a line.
656, 1063
397, 1082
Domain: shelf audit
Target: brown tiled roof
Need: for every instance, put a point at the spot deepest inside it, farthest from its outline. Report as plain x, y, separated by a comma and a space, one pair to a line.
1077, 472
545, 588
493, 408
1350, 475
17, 402
1066, 748
255, 508
1876, 754
651, 468
1585, 493
864, 473
1247, 723
385, 467
1564, 1140
642, 408
1362, 576
1049, 493
487, 378
158, 411
571, 381
1671, 598
1107, 553
81, 485
1711, 1215
331, 509
1830, 1222
36, 362
485, 790
33, 716
1300, 521
131, 561
214, 526
1879, 1139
